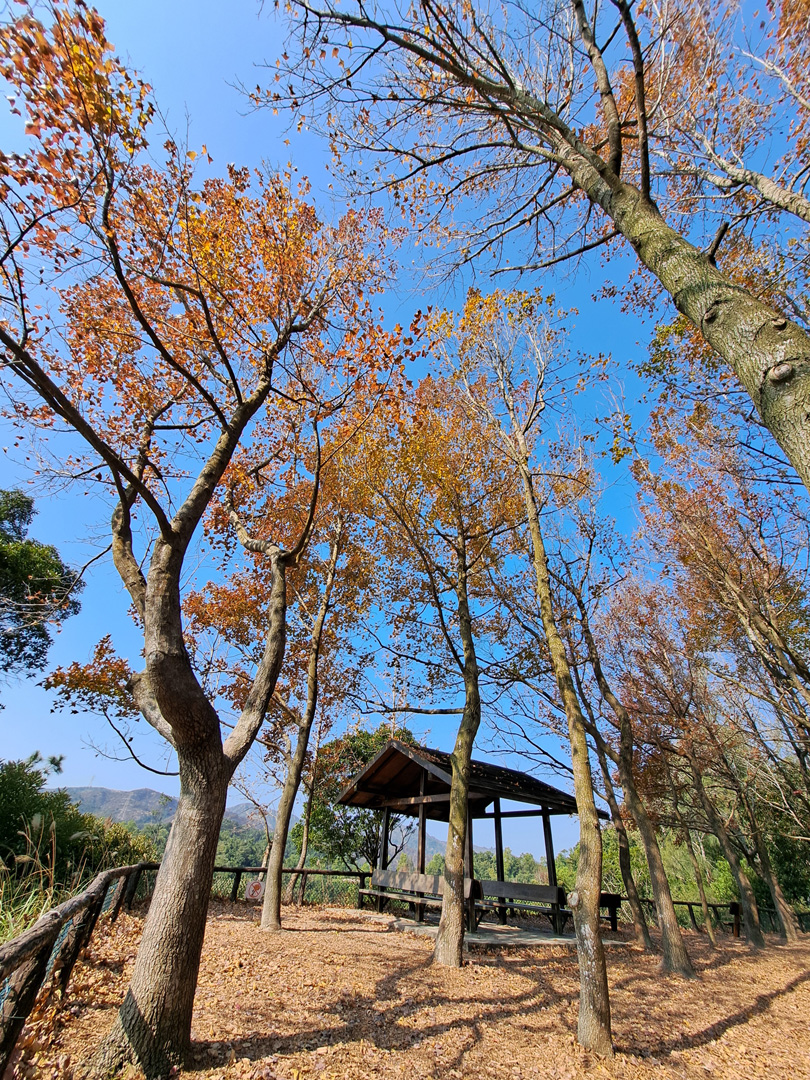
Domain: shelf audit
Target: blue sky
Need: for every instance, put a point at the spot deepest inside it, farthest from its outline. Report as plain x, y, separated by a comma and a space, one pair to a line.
193, 55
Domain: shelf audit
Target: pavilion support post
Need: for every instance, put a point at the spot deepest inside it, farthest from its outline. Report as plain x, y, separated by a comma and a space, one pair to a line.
499, 867
384, 831
551, 866
420, 844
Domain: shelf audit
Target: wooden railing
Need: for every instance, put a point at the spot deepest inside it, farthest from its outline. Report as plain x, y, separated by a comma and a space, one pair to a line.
303, 874
733, 909
52, 945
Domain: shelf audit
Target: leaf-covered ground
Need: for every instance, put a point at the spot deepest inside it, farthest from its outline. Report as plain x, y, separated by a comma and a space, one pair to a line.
341, 995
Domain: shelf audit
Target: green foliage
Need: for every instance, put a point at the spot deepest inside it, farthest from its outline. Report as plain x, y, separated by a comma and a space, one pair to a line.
346, 835
516, 867
240, 845
45, 827
717, 875
49, 848
36, 588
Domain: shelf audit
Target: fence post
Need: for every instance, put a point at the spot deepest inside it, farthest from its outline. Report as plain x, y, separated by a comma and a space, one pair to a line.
118, 899
76, 938
237, 878
23, 988
360, 888
734, 910
132, 887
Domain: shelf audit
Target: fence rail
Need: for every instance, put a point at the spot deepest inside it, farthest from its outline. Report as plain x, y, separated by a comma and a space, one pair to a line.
733, 909
53, 944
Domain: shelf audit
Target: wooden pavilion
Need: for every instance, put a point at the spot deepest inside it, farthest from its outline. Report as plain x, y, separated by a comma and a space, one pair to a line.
415, 780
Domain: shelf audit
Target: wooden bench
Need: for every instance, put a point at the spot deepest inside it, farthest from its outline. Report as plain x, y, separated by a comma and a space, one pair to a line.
418, 890
549, 900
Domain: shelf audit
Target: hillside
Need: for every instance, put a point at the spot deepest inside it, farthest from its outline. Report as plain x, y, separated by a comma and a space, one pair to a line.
144, 806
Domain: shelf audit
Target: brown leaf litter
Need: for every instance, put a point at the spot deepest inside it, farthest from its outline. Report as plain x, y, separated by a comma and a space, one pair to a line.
340, 995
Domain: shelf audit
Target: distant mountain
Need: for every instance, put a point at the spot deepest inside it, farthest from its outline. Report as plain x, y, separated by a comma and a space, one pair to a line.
145, 806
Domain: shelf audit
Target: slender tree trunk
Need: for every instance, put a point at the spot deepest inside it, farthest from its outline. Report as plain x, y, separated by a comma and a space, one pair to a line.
687, 836
753, 931
640, 927
450, 938
154, 1022
704, 904
675, 958
289, 892
271, 907
784, 912
593, 1029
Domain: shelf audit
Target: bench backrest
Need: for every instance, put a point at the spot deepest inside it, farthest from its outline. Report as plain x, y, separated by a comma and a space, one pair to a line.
519, 890
429, 884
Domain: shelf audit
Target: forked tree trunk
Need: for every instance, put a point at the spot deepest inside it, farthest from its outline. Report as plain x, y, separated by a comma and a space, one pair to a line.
153, 1025
450, 938
640, 927
748, 903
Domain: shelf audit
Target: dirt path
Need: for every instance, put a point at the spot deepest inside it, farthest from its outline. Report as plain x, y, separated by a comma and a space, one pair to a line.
342, 997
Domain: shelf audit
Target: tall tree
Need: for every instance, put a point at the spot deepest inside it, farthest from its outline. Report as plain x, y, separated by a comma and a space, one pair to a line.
503, 350
37, 590
551, 121
438, 494
187, 333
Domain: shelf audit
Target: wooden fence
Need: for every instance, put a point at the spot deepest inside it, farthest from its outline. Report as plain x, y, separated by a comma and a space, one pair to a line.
52, 945
767, 916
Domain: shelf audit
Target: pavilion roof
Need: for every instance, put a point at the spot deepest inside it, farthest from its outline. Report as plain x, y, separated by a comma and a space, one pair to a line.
394, 778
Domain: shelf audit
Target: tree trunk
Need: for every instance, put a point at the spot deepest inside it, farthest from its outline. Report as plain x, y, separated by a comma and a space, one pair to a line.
154, 1022
675, 958
769, 354
640, 927
289, 892
450, 938
784, 912
687, 836
704, 904
593, 1030
753, 931
271, 908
